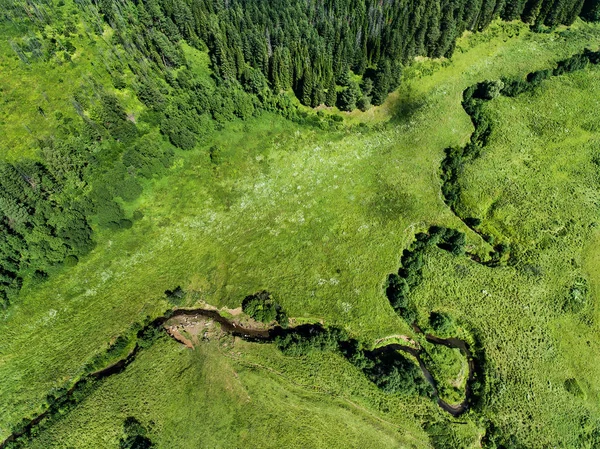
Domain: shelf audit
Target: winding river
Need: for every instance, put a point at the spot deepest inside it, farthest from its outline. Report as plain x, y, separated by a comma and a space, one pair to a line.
264, 336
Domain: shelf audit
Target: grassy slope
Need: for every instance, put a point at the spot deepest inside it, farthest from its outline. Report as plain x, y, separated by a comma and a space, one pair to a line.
318, 219
222, 398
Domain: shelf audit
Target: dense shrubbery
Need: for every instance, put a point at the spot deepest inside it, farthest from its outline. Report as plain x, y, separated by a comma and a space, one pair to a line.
36, 231
262, 307
135, 435
389, 370
409, 275
442, 323
394, 373
303, 340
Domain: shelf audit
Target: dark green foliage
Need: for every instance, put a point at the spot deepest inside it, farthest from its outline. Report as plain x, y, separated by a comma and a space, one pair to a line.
356, 354
381, 84
262, 307
397, 291
472, 222
388, 369
148, 335
303, 340
347, 98
331, 94
576, 62
538, 76
573, 387
282, 317
216, 154
363, 103
175, 296
441, 323
396, 374
135, 435
36, 231
488, 90
309, 46
150, 156
591, 10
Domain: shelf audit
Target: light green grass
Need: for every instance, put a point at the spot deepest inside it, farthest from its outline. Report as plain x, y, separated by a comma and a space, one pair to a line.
536, 187
52, 84
225, 397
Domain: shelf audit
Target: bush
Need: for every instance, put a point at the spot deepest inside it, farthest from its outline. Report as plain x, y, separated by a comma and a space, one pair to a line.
395, 374
71, 260
303, 340
175, 296
441, 323
538, 76
262, 307
135, 435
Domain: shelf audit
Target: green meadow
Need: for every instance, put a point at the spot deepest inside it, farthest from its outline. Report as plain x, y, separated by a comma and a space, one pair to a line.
319, 219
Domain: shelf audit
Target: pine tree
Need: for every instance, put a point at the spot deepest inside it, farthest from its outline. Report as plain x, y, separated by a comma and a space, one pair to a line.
307, 88
349, 96
381, 85
591, 10
318, 95
331, 94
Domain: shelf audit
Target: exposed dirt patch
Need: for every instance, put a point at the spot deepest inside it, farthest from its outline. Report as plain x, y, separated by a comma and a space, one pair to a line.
191, 330
406, 338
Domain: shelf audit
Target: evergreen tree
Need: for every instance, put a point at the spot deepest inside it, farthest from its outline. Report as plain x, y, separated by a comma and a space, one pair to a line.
331, 94
381, 85
349, 96
306, 95
591, 10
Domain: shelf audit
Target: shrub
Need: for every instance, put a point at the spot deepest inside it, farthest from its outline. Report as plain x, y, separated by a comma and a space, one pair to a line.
441, 322
262, 307
394, 373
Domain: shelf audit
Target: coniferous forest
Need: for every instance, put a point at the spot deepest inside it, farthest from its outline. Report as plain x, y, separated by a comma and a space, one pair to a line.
315, 47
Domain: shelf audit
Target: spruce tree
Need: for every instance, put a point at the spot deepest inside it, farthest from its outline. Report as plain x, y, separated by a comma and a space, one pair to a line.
331, 94
307, 88
381, 85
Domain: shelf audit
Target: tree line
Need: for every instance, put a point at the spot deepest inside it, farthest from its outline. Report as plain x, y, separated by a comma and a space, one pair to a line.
410, 274
474, 98
347, 53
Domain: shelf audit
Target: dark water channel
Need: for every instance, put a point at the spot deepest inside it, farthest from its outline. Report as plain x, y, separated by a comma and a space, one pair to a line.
252, 335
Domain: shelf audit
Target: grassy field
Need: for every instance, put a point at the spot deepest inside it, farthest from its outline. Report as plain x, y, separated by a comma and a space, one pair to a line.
319, 219
34, 106
536, 188
230, 396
